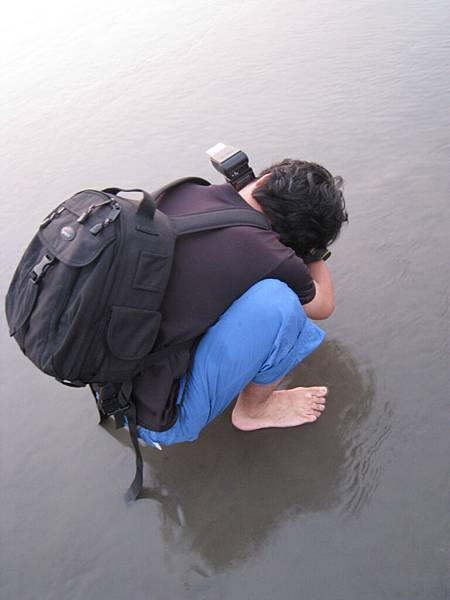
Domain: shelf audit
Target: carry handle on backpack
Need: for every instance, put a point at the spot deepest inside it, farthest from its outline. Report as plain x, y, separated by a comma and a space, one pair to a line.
146, 209
147, 206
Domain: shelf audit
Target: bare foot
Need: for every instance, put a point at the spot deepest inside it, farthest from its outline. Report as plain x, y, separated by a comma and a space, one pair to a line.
283, 408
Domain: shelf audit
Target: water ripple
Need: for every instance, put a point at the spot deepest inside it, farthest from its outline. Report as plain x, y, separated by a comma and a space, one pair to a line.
363, 465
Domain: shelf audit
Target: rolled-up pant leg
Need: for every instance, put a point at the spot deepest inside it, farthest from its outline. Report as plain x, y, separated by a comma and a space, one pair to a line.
259, 339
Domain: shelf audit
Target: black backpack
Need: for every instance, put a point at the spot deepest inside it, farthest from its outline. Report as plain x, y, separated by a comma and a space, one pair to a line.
84, 301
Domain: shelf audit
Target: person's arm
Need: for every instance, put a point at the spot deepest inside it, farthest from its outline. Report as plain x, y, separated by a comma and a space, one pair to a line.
322, 305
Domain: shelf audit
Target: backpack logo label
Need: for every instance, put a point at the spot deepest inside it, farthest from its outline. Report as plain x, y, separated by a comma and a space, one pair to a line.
67, 233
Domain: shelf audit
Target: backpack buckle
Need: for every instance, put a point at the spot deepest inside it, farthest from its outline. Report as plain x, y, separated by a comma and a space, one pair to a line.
40, 269
112, 406
110, 401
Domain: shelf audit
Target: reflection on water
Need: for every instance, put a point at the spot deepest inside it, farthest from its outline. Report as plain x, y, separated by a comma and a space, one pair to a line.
224, 495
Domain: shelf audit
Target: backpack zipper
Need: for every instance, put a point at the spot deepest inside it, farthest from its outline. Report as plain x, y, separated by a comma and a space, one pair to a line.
87, 213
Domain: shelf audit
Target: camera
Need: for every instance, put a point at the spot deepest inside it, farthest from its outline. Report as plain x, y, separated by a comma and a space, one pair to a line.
232, 163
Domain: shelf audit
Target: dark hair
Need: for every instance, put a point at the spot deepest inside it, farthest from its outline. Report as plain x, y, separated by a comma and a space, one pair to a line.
304, 203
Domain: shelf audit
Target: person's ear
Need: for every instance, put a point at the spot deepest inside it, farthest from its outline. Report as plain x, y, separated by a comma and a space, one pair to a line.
262, 179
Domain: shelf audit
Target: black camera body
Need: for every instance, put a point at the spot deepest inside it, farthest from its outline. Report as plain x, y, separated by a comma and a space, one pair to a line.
233, 164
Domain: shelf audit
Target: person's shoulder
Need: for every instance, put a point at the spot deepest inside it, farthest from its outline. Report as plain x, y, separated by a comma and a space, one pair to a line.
269, 240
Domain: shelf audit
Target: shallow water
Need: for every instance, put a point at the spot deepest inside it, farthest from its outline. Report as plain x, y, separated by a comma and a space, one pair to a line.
353, 507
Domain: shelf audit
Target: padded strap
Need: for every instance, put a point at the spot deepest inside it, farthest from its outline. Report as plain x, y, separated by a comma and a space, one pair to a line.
177, 182
147, 206
216, 219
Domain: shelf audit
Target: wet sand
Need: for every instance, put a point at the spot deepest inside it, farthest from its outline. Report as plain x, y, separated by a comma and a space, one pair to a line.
353, 507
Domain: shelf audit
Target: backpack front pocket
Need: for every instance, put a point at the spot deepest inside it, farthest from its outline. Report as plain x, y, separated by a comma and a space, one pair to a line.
132, 332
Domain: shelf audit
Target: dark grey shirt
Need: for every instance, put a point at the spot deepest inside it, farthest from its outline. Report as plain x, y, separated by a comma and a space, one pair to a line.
212, 269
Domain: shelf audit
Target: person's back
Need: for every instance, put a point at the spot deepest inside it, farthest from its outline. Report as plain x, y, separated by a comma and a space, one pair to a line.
212, 269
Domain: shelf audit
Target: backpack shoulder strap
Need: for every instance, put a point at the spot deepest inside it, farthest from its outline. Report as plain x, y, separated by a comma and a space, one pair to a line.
176, 183
216, 219
213, 219
147, 206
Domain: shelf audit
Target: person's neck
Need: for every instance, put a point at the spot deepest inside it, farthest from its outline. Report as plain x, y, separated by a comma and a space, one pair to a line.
247, 194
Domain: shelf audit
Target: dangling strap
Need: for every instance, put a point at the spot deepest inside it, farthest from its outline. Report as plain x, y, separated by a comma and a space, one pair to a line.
136, 486
117, 400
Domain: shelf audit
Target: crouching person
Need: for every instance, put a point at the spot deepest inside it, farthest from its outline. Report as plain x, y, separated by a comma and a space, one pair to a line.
245, 297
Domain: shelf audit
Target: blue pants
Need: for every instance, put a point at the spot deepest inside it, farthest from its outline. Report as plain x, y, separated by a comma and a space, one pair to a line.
262, 336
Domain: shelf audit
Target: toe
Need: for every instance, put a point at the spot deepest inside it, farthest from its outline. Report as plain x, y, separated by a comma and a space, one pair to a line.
312, 414
319, 391
320, 407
